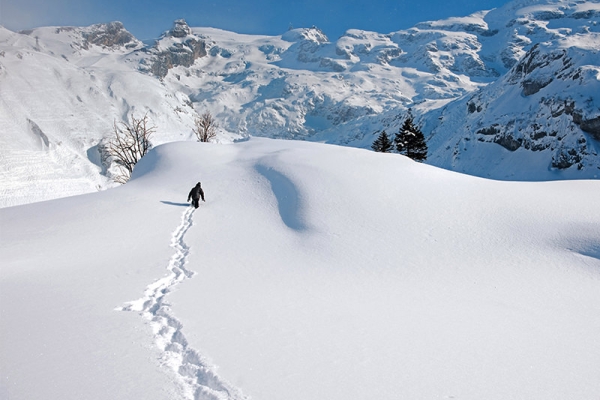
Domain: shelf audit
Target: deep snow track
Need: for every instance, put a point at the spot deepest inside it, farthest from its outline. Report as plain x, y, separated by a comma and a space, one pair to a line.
197, 380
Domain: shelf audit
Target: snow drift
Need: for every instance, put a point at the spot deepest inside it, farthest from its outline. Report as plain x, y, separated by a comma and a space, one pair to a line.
312, 271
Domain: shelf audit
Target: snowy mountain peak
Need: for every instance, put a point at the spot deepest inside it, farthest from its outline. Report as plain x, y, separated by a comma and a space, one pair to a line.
313, 34
110, 35
180, 29
177, 47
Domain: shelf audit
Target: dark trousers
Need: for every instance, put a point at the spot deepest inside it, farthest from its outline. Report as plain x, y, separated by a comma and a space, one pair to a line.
195, 202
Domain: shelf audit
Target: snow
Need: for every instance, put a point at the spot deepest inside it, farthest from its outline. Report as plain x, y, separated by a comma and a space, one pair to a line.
312, 271
63, 88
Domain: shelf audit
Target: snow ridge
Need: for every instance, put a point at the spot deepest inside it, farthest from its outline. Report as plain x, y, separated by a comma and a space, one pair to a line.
196, 377
288, 199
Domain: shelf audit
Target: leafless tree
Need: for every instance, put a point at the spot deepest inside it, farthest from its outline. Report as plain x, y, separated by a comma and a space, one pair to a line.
131, 141
205, 127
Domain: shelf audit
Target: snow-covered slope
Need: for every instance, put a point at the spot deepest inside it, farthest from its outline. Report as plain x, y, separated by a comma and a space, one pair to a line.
312, 271
480, 83
543, 114
60, 95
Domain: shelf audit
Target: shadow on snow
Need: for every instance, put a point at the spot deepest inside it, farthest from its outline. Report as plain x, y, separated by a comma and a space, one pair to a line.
288, 200
170, 203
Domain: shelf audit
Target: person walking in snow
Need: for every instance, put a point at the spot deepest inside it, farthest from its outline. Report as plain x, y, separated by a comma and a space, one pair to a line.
195, 194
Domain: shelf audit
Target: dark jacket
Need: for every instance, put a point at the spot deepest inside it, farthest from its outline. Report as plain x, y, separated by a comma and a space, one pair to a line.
196, 193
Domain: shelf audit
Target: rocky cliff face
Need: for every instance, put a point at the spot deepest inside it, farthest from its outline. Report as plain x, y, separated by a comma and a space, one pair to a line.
545, 107
111, 35
178, 47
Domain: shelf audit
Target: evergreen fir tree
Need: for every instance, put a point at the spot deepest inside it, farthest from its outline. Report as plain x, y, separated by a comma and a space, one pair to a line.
383, 143
410, 141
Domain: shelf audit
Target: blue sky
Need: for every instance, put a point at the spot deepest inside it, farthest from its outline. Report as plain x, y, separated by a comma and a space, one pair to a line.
147, 19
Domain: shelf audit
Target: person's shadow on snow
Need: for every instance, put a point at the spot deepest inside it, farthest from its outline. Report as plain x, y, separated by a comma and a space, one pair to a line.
170, 203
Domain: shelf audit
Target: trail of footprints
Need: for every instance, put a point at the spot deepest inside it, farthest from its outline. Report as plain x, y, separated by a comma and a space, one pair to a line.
196, 378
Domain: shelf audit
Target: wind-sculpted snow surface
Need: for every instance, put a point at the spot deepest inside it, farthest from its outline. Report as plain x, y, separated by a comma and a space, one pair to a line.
288, 201
390, 280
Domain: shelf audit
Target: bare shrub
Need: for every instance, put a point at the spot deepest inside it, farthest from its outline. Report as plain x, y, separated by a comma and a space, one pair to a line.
205, 127
130, 142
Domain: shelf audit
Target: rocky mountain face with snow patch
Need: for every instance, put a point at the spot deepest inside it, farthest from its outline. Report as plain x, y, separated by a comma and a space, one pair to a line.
110, 36
543, 112
178, 47
508, 94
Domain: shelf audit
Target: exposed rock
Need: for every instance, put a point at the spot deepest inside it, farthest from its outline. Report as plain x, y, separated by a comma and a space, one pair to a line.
180, 29
591, 126
588, 125
387, 55
566, 158
537, 135
587, 14
332, 64
536, 69
110, 35
489, 33
182, 52
531, 86
508, 142
552, 86
490, 131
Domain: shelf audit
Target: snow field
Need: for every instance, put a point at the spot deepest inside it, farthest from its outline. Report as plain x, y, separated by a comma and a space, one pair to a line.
404, 280
318, 272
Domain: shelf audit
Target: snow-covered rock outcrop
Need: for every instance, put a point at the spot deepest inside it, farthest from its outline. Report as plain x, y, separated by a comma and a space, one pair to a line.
544, 113
177, 47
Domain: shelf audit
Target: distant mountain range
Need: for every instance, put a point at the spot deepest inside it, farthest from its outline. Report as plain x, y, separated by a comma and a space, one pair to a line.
510, 93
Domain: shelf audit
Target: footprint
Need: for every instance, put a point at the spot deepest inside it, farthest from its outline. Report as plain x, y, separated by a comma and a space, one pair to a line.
196, 378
